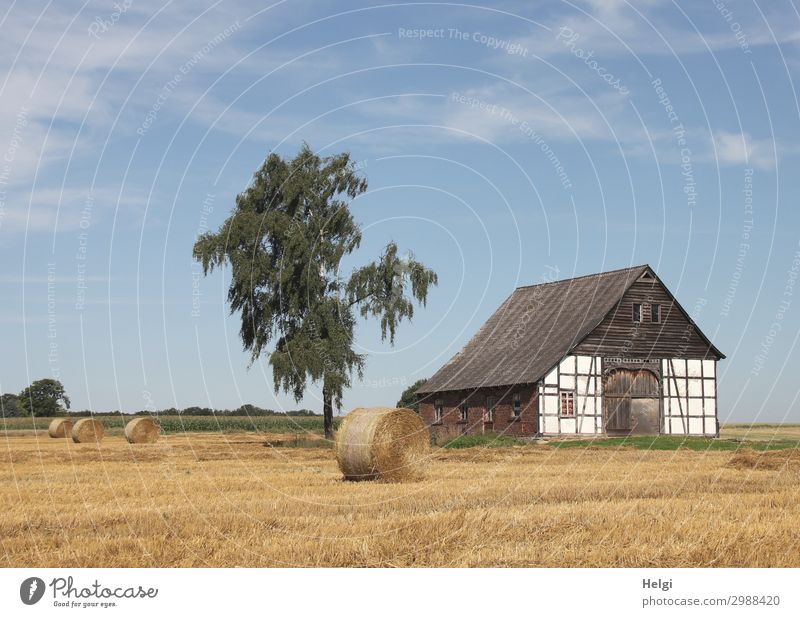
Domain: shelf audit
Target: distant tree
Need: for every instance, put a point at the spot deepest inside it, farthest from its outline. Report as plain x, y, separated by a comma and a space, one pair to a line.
45, 397
249, 410
300, 412
197, 411
9, 405
408, 398
284, 243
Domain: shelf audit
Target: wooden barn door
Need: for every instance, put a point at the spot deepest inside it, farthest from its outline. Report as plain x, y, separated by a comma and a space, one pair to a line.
631, 401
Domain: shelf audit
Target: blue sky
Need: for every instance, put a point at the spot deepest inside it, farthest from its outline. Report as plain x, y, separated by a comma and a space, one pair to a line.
504, 144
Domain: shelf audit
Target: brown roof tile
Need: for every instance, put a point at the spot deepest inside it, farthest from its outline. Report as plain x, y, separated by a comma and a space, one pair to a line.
532, 331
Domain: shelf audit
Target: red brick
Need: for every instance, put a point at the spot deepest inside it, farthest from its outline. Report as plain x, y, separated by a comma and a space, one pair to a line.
504, 421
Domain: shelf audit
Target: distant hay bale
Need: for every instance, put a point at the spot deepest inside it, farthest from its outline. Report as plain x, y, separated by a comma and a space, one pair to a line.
771, 460
383, 443
60, 428
142, 430
87, 430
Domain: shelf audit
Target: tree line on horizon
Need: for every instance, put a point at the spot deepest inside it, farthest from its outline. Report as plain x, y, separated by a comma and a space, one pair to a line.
48, 398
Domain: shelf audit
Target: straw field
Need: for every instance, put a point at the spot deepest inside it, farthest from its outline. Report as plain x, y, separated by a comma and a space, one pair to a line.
205, 499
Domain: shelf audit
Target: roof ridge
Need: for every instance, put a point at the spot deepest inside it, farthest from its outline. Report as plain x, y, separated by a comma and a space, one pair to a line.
583, 276
523, 339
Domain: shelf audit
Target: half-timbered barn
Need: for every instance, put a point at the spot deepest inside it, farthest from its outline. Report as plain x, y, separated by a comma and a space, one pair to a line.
606, 354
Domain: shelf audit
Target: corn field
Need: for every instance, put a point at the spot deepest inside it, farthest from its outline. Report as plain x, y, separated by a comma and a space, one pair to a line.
191, 424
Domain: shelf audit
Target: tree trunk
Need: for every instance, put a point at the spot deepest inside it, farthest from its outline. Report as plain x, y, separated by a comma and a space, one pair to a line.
327, 412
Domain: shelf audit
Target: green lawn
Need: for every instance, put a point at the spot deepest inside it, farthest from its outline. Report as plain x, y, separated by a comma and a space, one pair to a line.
486, 440
669, 442
777, 440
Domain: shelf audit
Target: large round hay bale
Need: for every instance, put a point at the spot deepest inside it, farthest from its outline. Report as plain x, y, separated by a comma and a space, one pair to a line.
383, 443
142, 430
60, 428
87, 430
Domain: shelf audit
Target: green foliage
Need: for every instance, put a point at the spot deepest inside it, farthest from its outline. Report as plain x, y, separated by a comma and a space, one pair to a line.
195, 424
226, 424
45, 397
379, 289
244, 410
284, 243
408, 398
9, 406
197, 411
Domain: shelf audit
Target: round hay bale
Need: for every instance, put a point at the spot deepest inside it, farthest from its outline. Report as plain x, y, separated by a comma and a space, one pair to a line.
142, 430
383, 443
60, 428
86, 430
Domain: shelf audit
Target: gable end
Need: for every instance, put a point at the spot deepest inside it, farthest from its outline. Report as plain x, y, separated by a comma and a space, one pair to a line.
673, 335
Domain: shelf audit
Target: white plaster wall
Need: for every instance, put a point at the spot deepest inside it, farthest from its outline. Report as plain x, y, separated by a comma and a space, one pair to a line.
550, 425
582, 376
689, 397
694, 368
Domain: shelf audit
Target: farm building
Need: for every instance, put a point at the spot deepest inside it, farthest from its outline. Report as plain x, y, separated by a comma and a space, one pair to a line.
605, 354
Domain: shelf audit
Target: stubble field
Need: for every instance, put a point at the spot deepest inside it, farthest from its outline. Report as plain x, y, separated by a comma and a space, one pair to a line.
219, 500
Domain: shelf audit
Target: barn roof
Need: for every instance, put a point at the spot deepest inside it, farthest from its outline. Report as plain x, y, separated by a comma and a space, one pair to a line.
534, 329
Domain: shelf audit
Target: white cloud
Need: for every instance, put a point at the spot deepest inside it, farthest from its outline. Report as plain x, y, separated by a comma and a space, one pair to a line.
657, 27
742, 149
62, 74
503, 111
47, 208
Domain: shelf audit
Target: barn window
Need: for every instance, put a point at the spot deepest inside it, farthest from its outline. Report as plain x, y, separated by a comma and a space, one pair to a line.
655, 313
438, 407
517, 406
568, 404
463, 410
637, 312
488, 416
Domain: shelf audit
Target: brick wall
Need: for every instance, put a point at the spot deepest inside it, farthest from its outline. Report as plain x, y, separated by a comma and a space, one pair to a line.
504, 420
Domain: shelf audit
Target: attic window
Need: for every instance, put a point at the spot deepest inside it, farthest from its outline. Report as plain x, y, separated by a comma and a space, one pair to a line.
655, 313
637, 313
